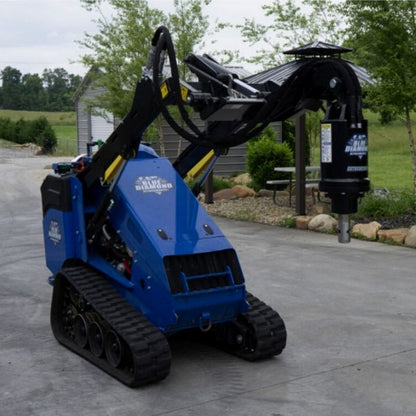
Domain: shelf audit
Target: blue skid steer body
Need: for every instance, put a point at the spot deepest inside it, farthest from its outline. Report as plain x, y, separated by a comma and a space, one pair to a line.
135, 257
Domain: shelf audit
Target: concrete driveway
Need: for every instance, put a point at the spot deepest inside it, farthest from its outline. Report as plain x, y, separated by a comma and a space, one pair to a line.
350, 312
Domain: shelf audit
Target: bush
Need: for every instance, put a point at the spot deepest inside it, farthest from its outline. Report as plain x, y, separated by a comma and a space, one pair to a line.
263, 156
7, 128
42, 133
390, 205
217, 183
38, 131
21, 131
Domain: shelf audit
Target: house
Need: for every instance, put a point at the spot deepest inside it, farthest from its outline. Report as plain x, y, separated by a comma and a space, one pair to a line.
92, 123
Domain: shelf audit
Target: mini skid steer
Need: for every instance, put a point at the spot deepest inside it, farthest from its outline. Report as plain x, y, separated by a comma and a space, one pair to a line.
135, 258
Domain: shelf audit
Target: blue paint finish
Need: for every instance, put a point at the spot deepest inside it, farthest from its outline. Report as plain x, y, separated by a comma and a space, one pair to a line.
64, 231
155, 215
158, 199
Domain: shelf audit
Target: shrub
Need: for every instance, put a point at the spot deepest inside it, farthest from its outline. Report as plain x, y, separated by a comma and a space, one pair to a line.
217, 183
7, 128
390, 205
38, 131
263, 156
42, 133
21, 131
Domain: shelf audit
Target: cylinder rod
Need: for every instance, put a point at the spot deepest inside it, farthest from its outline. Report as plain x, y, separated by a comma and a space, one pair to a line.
344, 228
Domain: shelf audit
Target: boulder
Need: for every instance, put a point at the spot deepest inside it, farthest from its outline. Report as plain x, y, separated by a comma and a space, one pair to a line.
320, 208
397, 235
323, 223
224, 194
243, 179
242, 191
302, 221
368, 231
265, 193
410, 240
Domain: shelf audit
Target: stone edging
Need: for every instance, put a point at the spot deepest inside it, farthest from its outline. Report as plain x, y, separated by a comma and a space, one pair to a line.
371, 231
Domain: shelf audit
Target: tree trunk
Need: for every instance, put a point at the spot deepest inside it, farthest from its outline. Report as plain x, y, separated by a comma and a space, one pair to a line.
412, 149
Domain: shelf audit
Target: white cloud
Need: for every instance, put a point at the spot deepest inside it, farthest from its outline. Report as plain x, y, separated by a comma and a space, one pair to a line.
38, 34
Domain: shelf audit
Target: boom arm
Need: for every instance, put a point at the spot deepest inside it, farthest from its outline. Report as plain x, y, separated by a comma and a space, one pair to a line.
235, 111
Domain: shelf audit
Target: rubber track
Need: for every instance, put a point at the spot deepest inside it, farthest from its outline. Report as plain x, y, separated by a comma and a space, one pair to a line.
269, 328
266, 329
148, 346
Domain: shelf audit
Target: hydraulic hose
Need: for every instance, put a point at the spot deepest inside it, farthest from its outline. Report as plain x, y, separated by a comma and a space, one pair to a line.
312, 77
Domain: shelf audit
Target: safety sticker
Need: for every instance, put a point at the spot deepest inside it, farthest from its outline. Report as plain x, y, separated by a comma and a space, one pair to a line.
54, 232
153, 184
164, 90
326, 143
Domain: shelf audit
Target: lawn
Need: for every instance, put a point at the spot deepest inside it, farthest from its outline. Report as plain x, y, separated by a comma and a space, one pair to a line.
388, 154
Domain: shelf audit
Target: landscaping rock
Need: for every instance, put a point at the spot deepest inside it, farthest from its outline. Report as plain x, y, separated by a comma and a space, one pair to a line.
243, 179
323, 223
397, 235
242, 191
265, 193
224, 194
368, 231
410, 240
302, 221
320, 208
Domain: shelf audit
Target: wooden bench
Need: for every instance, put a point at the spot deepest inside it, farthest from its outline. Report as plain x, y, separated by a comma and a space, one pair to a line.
310, 183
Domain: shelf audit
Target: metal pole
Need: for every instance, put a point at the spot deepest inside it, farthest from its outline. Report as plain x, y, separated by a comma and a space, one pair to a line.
300, 142
209, 188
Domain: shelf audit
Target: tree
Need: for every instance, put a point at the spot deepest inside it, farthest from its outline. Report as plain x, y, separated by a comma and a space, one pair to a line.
121, 46
119, 50
33, 94
51, 92
12, 87
59, 88
188, 25
383, 36
291, 24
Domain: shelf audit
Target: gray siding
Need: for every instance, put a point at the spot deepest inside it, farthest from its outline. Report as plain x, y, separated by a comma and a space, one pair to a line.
83, 114
234, 161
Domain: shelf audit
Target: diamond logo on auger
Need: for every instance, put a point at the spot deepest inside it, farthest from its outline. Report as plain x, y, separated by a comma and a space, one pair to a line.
153, 184
357, 145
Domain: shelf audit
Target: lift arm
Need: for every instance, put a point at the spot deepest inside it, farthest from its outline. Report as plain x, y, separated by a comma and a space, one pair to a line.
235, 111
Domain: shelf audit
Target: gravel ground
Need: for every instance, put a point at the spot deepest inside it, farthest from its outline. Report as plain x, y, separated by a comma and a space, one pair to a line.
261, 209
264, 211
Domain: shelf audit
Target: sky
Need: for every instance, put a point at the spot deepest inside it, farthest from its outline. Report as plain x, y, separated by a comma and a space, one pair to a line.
39, 34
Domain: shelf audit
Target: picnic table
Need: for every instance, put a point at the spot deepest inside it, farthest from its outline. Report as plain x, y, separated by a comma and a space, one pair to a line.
309, 182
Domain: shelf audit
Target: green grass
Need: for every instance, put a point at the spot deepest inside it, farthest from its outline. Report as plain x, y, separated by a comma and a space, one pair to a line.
63, 123
389, 160
55, 118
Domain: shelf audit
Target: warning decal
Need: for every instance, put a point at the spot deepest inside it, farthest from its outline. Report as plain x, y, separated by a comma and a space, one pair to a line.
326, 143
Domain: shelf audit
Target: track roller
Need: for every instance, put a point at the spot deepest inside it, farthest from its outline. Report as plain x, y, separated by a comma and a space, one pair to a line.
258, 334
89, 317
